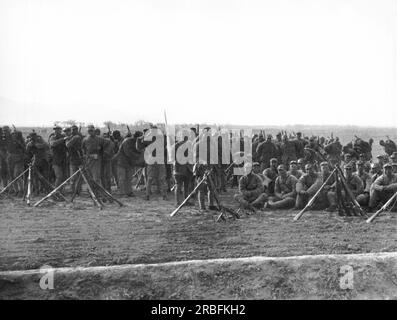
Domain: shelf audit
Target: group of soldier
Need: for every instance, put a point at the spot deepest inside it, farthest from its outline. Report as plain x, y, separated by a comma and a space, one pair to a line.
284, 172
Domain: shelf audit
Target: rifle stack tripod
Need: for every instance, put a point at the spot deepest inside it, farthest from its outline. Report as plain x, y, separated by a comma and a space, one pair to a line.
98, 194
211, 186
27, 176
346, 205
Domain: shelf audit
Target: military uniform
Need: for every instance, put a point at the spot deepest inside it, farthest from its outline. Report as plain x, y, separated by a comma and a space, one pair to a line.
38, 149
284, 193
127, 158
74, 147
382, 189
108, 153
16, 159
58, 148
265, 151
183, 175
92, 147
251, 191
306, 188
3, 158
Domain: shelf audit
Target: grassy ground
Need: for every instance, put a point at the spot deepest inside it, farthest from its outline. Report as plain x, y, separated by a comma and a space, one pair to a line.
78, 234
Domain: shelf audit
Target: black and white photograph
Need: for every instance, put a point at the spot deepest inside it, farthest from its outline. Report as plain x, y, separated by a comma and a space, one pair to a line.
198, 155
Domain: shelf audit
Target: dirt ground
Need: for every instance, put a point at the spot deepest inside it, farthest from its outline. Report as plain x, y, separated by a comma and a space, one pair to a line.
78, 234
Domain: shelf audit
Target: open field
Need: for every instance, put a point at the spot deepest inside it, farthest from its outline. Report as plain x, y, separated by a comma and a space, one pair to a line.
78, 234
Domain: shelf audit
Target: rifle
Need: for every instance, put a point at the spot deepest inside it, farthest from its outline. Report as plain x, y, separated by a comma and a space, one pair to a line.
384, 208
129, 131
15, 129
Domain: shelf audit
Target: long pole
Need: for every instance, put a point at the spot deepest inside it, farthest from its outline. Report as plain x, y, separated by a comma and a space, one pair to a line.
190, 195
29, 192
311, 201
13, 181
56, 189
370, 219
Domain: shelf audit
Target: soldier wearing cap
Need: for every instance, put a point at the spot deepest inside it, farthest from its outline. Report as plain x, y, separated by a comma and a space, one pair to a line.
356, 186
327, 197
183, 172
381, 160
301, 165
256, 168
59, 153
376, 172
366, 164
251, 195
38, 150
74, 145
265, 151
127, 158
284, 190
383, 188
117, 138
4, 174
364, 175
288, 151
156, 170
270, 174
307, 186
16, 149
92, 147
294, 169
108, 154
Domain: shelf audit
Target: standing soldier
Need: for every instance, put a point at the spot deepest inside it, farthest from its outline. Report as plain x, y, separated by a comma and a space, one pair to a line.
38, 150
73, 145
265, 151
183, 173
58, 148
156, 172
288, 151
93, 151
3, 158
299, 145
117, 139
108, 153
16, 160
127, 158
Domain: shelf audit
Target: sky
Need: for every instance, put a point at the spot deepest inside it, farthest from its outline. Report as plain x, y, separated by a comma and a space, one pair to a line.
210, 61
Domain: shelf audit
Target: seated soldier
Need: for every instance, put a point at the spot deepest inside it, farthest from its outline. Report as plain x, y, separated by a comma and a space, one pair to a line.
363, 199
326, 196
307, 186
256, 168
294, 170
270, 174
354, 183
376, 172
284, 190
383, 188
251, 193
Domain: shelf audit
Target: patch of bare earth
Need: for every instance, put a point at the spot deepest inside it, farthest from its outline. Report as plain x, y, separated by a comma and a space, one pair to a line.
78, 234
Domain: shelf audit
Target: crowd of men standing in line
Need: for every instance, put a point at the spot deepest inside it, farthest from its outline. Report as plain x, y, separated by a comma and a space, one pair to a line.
283, 172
